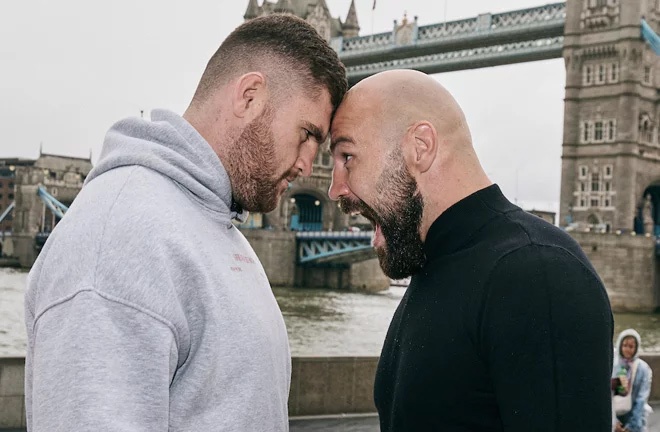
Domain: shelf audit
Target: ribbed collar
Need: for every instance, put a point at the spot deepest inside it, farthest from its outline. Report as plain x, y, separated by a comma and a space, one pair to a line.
457, 225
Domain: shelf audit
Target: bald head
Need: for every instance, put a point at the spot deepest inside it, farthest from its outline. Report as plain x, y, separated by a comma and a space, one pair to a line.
404, 124
398, 99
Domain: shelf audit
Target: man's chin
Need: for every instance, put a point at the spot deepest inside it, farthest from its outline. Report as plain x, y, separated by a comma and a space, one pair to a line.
260, 204
267, 207
385, 262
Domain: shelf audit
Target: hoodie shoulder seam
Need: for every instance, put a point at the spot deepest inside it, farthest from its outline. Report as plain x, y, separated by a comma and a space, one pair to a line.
113, 299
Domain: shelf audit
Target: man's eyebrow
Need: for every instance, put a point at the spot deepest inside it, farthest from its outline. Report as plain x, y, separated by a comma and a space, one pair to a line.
338, 140
316, 132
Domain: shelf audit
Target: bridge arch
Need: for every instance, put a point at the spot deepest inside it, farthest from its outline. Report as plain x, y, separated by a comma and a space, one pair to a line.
306, 209
647, 215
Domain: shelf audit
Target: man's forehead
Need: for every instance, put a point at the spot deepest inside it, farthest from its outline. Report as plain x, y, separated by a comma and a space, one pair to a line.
316, 112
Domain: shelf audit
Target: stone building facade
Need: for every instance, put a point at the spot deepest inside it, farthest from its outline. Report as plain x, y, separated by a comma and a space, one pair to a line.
611, 151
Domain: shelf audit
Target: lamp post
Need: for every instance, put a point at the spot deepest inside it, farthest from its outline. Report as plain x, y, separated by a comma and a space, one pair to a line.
287, 212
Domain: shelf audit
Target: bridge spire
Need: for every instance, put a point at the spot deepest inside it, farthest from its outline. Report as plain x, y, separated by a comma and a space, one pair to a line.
351, 26
252, 10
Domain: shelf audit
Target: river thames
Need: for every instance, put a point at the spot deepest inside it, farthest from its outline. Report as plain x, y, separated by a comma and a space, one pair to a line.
319, 322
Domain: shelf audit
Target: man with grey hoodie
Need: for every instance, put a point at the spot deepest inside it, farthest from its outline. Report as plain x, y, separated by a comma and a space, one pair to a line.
147, 310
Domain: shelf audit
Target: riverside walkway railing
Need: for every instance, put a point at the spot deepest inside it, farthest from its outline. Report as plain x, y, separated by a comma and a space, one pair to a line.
319, 386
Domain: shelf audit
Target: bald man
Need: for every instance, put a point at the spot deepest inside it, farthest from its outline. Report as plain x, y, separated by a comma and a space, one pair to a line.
505, 325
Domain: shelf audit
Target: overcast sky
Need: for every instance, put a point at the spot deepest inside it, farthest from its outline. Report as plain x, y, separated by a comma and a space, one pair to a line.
70, 68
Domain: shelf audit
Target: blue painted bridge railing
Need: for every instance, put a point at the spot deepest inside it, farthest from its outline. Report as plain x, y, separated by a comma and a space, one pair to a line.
54, 206
335, 247
51, 202
8, 210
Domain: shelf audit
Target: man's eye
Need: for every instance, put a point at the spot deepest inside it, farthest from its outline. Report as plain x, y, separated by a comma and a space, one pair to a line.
305, 135
347, 157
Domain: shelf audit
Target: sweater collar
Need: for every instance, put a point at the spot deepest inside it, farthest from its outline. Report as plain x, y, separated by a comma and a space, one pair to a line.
460, 222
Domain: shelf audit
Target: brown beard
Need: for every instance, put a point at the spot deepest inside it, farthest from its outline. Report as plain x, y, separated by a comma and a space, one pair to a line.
251, 165
399, 214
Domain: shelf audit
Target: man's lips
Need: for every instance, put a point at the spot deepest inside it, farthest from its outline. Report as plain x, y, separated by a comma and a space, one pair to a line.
355, 208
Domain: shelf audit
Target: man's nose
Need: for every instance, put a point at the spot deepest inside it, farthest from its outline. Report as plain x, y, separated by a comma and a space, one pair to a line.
338, 186
305, 161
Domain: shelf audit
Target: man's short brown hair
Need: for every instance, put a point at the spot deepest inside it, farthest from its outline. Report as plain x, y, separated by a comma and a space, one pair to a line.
277, 45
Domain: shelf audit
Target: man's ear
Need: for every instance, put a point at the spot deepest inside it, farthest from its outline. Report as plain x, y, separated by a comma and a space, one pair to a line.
249, 96
422, 144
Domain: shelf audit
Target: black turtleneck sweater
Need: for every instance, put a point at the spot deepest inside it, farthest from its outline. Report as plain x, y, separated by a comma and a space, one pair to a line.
506, 328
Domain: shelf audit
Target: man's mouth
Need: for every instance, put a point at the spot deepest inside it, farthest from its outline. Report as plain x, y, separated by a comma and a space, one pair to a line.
371, 217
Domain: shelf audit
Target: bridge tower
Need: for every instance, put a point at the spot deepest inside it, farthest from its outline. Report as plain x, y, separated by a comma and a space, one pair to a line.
611, 151
306, 206
62, 177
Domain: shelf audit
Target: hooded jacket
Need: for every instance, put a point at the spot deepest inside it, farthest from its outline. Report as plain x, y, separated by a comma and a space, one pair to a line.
635, 421
147, 310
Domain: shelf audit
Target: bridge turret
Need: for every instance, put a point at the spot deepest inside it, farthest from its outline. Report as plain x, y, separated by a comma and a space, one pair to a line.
351, 28
252, 10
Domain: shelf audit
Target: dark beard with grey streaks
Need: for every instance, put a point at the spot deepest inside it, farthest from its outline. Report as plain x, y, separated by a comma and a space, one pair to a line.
399, 220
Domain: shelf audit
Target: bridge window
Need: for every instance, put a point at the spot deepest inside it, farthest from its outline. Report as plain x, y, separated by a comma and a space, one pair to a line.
608, 186
614, 72
646, 128
585, 133
595, 202
583, 187
11, 196
647, 74
598, 131
587, 75
602, 74
611, 130
583, 202
608, 171
595, 182
583, 172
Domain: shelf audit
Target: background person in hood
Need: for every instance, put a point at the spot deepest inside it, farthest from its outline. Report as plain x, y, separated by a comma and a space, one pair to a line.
147, 309
631, 378
505, 325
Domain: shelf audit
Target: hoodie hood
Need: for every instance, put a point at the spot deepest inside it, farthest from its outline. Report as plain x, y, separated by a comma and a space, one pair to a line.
169, 145
624, 334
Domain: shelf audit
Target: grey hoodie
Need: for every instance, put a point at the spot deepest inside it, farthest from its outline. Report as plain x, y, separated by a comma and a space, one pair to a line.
147, 310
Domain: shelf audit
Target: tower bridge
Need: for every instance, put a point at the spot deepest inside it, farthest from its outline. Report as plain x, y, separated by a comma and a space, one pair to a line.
610, 180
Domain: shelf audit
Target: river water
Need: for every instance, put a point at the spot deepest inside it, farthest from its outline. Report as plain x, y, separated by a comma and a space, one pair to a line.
319, 322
